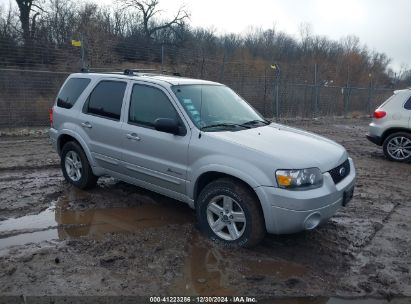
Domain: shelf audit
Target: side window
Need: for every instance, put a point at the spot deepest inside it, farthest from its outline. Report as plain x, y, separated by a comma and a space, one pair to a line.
71, 92
106, 99
149, 103
408, 104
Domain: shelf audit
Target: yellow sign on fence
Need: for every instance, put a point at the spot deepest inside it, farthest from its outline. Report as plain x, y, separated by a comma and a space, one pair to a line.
76, 43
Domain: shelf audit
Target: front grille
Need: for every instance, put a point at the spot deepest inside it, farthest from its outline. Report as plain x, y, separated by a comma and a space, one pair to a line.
338, 174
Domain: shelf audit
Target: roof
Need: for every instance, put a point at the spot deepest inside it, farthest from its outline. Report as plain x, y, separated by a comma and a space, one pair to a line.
153, 78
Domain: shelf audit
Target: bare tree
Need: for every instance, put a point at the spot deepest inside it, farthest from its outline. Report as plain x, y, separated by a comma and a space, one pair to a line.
149, 12
306, 34
28, 23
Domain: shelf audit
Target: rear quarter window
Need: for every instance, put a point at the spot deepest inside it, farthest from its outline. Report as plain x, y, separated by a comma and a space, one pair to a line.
408, 104
71, 91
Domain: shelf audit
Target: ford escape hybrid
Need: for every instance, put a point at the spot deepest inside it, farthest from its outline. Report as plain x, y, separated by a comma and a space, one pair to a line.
199, 142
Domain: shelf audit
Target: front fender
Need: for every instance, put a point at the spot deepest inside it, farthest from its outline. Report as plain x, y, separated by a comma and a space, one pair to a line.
237, 168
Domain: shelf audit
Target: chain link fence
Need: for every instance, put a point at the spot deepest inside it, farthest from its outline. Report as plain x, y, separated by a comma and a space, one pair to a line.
30, 79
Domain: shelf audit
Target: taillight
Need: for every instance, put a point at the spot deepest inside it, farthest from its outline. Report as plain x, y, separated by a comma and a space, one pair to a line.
51, 117
379, 114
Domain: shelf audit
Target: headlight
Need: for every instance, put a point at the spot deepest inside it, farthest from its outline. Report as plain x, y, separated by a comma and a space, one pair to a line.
299, 179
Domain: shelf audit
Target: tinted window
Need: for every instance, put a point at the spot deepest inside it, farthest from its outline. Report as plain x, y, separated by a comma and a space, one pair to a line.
71, 92
106, 99
408, 104
147, 104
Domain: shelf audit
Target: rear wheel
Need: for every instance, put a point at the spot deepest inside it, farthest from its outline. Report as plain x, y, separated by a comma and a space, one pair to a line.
229, 212
397, 147
75, 166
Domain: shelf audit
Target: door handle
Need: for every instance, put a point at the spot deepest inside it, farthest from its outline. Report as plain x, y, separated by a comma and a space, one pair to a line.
86, 125
133, 136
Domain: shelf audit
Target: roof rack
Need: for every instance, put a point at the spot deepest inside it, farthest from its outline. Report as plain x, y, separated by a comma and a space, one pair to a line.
97, 70
132, 72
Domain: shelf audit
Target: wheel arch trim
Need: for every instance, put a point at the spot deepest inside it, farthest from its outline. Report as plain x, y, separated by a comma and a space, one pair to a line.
393, 130
223, 170
81, 142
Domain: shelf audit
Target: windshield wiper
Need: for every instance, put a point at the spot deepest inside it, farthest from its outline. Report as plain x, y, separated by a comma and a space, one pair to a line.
256, 121
224, 125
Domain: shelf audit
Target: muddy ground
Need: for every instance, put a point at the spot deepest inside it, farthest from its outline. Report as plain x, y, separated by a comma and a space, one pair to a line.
118, 239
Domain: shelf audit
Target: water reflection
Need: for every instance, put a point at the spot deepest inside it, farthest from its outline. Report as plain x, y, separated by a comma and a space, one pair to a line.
60, 222
211, 269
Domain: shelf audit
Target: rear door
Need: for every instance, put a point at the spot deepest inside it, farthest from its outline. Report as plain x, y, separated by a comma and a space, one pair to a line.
100, 120
157, 159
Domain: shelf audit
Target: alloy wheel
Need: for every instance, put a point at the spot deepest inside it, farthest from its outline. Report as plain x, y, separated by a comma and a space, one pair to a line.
226, 218
399, 147
74, 168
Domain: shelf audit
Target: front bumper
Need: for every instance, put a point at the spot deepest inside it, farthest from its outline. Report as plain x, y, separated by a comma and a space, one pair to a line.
288, 211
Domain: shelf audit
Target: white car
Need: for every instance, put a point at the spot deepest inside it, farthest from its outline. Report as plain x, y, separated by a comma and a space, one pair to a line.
391, 126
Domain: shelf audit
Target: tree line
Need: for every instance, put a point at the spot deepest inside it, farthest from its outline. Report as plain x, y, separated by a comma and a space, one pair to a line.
41, 31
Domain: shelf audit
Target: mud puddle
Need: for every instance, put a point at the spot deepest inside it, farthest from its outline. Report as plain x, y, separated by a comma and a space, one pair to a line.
42, 220
59, 222
212, 270
26, 238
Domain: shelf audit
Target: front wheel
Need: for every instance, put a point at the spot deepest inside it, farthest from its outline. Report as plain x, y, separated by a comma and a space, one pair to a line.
75, 166
229, 212
397, 147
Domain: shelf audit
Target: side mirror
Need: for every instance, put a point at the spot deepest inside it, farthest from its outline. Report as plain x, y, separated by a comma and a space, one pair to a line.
167, 125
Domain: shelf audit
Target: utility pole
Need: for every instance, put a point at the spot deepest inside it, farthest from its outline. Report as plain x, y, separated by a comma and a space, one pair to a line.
369, 93
348, 93
277, 72
83, 63
162, 58
80, 44
315, 90
222, 69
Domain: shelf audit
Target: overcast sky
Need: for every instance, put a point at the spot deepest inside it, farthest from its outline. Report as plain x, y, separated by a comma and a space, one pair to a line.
383, 25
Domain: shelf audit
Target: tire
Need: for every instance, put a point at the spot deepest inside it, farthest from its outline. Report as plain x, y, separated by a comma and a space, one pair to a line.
80, 174
397, 147
243, 225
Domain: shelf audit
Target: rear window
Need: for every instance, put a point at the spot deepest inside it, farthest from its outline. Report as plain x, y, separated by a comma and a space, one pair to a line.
408, 104
71, 91
106, 99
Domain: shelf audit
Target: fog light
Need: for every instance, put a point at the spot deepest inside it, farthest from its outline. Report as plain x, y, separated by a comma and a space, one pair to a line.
312, 221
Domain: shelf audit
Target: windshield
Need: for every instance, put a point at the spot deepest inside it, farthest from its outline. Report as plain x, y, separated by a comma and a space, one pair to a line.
216, 107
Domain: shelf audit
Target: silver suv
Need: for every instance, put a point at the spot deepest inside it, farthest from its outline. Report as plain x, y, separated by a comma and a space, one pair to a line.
199, 142
391, 126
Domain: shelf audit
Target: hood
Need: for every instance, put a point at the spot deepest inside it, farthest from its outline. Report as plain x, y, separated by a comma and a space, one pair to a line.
294, 148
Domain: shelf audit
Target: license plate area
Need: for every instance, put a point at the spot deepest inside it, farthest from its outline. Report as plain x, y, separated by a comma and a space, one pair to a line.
348, 194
